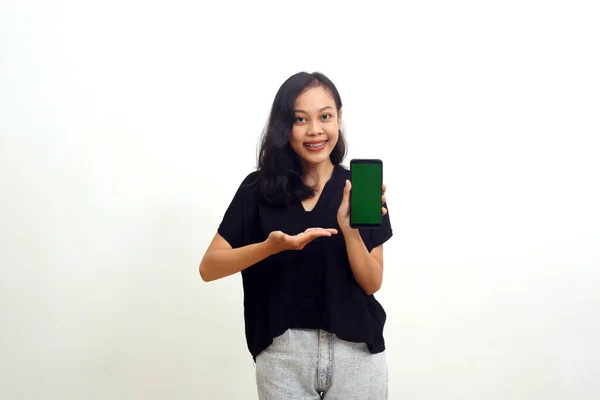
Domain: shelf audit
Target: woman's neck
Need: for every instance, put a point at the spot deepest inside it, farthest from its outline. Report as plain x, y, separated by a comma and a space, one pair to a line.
318, 175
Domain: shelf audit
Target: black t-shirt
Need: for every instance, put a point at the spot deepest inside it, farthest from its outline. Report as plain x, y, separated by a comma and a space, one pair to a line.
312, 288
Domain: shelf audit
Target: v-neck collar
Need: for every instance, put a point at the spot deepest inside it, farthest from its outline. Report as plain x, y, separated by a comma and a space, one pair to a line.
335, 171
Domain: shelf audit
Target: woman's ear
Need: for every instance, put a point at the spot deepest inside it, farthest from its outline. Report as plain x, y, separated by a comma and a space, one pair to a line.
340, 117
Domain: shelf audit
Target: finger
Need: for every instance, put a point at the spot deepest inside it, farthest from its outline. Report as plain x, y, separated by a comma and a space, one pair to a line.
383, 210
314, 229
319, 233
383, 198
347, 188
384, 187
310, 230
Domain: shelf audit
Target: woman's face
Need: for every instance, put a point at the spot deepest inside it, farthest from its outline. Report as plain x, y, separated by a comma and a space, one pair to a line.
316, 126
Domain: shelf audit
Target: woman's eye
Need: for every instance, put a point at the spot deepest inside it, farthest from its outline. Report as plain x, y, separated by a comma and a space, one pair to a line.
326, 116
299, 119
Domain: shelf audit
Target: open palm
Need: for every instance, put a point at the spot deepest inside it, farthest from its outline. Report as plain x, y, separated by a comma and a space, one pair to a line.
282, 241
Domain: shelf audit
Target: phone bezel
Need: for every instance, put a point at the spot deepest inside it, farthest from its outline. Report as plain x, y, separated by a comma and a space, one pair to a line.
365, 161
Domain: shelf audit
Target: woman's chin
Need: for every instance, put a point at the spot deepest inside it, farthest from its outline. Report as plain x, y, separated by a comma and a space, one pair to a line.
316, 158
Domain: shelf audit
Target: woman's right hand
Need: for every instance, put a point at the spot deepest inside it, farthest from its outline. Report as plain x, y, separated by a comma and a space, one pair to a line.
280, 241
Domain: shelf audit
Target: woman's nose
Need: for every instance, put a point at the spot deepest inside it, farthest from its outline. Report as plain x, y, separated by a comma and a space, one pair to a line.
315, 128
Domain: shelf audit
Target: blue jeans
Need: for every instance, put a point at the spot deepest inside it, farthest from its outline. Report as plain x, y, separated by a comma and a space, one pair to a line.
307, 364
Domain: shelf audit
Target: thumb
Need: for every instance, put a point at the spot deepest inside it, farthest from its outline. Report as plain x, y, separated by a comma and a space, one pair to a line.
346, 197
279, 235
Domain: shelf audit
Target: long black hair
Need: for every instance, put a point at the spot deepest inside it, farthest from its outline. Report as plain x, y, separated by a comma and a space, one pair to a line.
279, 168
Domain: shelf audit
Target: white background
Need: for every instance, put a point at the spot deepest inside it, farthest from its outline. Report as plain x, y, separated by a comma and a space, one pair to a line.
126, 127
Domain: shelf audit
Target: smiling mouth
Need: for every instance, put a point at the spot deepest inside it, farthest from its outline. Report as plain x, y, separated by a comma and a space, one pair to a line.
316, 145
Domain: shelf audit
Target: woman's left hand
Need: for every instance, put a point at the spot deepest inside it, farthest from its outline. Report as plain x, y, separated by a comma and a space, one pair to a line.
343, 215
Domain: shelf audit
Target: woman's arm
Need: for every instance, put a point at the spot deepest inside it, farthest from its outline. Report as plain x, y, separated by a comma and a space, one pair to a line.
221, 260
366, 267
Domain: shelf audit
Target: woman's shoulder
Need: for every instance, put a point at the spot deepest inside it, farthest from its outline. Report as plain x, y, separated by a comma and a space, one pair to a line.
249, 187
249, 184
342, 171
247, 190
343, 168
251, 179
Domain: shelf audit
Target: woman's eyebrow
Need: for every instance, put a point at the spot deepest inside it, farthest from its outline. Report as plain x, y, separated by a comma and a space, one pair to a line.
322, 109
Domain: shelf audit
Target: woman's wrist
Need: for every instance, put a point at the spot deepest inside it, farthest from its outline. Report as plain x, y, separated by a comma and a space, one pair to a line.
350, 233
269, 248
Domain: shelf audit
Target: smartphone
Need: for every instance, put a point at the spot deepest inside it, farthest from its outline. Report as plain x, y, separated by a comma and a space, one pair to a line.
366, 176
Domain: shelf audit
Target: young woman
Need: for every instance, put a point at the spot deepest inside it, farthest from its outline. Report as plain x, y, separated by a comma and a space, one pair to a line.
313, 326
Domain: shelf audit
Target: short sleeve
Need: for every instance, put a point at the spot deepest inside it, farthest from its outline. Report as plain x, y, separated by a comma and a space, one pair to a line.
238, 215
376, 237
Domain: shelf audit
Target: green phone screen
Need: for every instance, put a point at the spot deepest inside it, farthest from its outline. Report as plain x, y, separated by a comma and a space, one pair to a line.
365, 202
